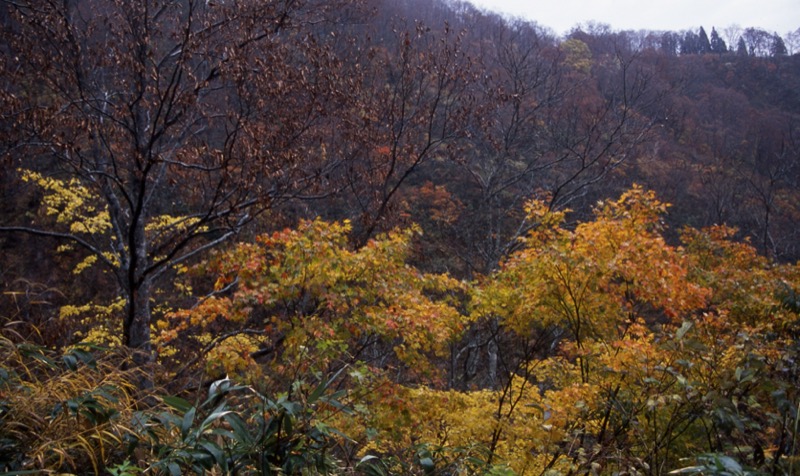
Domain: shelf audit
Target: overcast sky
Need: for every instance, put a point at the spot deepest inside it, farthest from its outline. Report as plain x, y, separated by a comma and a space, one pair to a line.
780, 16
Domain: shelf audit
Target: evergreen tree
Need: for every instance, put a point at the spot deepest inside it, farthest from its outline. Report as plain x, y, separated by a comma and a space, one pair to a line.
718, 45
703, 45
741, 47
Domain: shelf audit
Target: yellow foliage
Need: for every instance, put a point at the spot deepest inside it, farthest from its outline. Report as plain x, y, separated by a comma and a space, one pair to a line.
592, 279
168, 224
233, 357
578, 54
75, 206
744, 283
72, 203
320, 294
102, 335
93, 311
648, 339
525, 438
96, 323
86, 263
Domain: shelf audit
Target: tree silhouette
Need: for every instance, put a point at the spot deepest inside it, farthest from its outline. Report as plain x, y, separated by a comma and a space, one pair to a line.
717, 44
703, 44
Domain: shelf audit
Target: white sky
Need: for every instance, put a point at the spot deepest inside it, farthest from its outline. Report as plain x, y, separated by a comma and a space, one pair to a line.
780, 16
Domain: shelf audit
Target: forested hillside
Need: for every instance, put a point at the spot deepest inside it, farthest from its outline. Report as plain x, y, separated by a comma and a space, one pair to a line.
406, 237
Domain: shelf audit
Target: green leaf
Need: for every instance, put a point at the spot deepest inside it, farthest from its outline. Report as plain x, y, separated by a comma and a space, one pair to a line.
367, 458
292, 408
218, 413
324, 385
729, 464
288, 425
688, 470
37, 353
70, 361
167, 420
216, 452
427, 464
220, 388
178, 403
223, 433
683, 329
371, 466
188, 421
86, 357
239, 428
174, 469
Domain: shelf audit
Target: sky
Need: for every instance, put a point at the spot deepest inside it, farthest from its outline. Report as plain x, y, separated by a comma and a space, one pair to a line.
781, 16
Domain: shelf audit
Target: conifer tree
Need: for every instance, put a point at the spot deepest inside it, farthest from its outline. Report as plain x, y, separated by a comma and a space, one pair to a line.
717, 44
741, 47
703, 44
690, 44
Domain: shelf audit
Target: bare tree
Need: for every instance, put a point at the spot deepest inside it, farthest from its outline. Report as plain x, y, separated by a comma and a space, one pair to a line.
411, 109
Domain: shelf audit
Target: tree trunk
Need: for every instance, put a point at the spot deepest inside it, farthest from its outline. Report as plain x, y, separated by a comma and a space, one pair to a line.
139, 286
493, 349
136, 331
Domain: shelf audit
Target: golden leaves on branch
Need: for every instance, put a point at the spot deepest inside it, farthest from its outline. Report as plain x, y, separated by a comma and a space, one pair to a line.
311, 291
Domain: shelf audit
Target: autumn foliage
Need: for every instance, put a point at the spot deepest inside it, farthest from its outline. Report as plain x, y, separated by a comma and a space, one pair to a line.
317, 304
407, 237
642, 353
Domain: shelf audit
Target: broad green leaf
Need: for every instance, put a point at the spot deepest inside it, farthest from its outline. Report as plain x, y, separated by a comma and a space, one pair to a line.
216, 452
239, 428
188, 421
218, 413
177, 403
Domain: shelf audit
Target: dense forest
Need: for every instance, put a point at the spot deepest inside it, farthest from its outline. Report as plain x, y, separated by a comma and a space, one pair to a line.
394, 237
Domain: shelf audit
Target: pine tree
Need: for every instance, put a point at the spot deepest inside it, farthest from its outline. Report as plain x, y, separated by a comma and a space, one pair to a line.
718, 45
741, 47
690, 44
703, 45
670, 42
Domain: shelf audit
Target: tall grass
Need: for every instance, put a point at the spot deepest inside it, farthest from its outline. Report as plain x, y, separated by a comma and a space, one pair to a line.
64, 411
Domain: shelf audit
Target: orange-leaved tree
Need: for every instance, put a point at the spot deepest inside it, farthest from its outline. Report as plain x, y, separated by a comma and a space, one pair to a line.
313, 304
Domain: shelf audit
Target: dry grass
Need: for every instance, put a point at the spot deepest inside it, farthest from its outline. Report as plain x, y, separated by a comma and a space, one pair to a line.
65, 411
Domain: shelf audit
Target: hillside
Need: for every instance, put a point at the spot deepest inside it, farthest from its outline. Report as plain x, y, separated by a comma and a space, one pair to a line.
403, 237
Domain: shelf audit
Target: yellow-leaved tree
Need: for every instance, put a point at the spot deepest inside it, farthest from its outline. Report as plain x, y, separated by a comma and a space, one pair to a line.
655, 353
309, 304
600, 394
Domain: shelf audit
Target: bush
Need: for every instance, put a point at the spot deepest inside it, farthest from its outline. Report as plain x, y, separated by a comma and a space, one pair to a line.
238, 430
